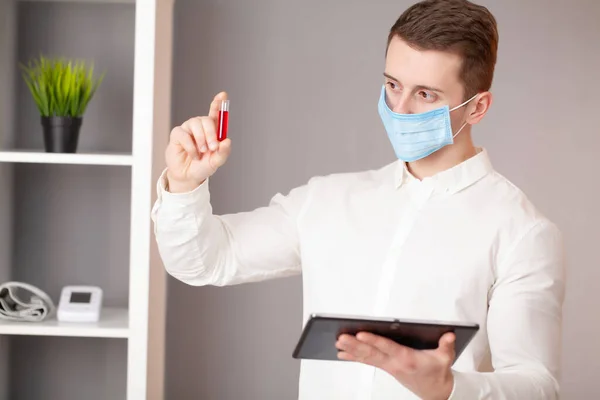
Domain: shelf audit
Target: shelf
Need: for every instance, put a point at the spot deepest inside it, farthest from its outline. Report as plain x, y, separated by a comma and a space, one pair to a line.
114, 323
41, 157
81, 1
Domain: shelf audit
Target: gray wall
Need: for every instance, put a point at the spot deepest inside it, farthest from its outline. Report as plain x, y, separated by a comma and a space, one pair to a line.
303, 78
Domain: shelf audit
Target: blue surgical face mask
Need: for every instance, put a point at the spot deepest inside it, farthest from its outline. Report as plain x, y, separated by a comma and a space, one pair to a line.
415, 136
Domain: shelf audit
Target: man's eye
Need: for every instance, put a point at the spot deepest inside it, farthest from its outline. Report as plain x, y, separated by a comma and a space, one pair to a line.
392, 85
426, 96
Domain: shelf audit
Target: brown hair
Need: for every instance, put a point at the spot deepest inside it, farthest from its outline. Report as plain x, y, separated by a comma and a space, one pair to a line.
457, 26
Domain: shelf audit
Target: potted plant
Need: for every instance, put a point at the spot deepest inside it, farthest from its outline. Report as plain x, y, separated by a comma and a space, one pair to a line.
62, 90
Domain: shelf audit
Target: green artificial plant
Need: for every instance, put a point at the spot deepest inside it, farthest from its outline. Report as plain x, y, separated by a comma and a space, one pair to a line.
61, 87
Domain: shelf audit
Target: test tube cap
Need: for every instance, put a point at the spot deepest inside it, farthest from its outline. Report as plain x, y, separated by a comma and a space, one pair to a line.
225, 105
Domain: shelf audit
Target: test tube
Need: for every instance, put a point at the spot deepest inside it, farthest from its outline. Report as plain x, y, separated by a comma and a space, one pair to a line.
223, 120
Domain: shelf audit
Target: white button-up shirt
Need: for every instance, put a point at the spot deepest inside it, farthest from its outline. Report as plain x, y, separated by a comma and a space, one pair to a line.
463, 245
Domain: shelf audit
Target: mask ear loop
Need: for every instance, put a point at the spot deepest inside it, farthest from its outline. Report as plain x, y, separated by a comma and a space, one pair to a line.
456, 108
460, 105
461, 128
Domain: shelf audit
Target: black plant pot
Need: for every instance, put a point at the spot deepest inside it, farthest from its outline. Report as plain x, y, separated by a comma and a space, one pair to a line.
61, 134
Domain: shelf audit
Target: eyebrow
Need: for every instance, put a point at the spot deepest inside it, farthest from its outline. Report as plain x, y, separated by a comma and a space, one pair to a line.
418, 87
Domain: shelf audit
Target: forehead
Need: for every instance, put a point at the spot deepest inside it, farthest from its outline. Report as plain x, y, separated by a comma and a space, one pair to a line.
428, 67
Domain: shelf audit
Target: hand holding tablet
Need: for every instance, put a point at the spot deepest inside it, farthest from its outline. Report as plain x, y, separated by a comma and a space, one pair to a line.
319, 336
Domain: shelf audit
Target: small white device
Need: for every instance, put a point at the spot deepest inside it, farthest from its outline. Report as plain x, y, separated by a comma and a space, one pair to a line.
80, 304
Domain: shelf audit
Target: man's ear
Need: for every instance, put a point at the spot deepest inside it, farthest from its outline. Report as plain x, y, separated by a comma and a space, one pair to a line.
479, 107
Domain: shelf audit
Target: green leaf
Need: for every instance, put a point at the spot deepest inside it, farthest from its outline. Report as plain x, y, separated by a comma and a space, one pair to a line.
60, 86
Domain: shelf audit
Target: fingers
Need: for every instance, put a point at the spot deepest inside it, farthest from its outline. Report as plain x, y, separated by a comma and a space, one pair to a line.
204, 132
204, 129
219, 157
210, 133
215, 106
400, 361
195, 128
402, 358
181, 137
355, 350
385, 345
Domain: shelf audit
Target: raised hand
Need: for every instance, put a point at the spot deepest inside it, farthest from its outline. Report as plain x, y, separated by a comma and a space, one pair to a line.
194, 152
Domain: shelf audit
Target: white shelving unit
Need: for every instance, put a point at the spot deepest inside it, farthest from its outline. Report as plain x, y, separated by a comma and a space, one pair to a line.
84, 218
23, 156
114, 324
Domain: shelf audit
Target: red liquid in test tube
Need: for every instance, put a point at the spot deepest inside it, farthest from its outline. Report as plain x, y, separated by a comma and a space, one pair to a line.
223, 120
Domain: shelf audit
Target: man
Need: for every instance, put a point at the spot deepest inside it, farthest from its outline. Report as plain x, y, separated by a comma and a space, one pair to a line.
438, 234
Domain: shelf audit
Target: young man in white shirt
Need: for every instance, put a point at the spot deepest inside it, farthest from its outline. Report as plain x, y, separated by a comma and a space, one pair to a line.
436, 235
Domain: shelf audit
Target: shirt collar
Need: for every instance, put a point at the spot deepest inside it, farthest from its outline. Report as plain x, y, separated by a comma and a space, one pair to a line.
454, 179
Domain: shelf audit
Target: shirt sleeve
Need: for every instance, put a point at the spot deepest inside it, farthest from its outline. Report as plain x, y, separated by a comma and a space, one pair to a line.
524, 323
200, 248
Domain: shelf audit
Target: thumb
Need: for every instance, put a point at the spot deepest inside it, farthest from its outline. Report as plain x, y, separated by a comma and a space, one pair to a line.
446, 346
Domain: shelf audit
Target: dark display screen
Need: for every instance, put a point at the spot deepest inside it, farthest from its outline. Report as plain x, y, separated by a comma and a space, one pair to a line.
81, 297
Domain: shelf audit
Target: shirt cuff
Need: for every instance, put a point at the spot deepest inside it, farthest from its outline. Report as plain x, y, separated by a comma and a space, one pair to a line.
166, 199
453, 392
467, 386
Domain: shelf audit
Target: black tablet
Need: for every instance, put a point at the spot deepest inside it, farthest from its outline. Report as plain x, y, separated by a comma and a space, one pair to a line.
320, 333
